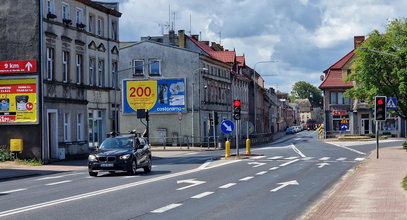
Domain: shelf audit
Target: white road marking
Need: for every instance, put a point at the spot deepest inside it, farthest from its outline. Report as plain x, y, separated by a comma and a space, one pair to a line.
359, 159
227, 185
275, 157
261, 173
201, 195
206, 164
256, 164
192, 183
153, 166
289, 162
324, 158
347, 148
322, 164
258, 157
297, 139
166, 208
14, 190
56, 177
191, 153
273, 168
246, 178
129, 177
290, 158
307, 158
103, 191
341, 158
56, 183
296, 150
284, 184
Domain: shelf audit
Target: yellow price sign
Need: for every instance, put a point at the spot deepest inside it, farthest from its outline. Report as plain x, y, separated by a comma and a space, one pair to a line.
141, 94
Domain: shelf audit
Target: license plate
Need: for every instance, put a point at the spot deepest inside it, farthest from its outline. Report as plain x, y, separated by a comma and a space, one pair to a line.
106, 165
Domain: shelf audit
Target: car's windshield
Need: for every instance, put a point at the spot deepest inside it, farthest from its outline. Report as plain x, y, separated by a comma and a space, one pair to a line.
117, 143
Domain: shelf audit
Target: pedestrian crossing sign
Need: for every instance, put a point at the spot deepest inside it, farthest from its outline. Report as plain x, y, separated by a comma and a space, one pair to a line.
391, 103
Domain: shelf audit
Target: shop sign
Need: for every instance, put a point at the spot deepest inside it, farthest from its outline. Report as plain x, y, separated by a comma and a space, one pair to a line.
339, 112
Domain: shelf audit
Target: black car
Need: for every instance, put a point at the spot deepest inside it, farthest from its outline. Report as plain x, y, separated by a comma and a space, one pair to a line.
121, 153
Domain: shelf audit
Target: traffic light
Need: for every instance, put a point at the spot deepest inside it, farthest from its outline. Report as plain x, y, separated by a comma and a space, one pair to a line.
380, 108
236, 109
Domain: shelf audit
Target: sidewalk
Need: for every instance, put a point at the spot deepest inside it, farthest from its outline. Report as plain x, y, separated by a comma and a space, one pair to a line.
372, 191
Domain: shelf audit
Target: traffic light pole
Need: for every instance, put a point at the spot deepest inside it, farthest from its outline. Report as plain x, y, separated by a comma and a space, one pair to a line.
377, 139
237, 138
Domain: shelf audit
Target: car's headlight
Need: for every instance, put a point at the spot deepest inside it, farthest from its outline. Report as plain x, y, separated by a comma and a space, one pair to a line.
92, 158
124, 157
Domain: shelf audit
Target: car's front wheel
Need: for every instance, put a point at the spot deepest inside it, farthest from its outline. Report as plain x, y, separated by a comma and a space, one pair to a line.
133, 168
147, 168
93, 173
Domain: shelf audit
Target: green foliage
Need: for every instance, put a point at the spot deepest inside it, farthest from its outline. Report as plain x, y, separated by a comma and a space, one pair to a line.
405, 183
5, 155
405, 145
29, 162
371, 135
304, 90
379, 74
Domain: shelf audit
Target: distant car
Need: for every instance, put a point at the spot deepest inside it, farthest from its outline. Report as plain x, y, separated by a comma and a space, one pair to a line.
122, 153
290, 130
297, 129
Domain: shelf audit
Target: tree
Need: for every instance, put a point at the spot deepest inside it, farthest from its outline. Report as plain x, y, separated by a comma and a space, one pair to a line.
378, 74
304, 90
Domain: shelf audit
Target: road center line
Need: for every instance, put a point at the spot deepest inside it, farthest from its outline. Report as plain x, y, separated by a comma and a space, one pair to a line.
347, 148
14, 190
273, 168
166, 208
227, 185
261, 173
246, 178
101, 192
56, 183
56, 177
289, 162
201, 195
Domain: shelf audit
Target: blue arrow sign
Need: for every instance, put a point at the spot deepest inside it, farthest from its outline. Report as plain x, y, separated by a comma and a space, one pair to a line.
391, 103
227, 126
344, 126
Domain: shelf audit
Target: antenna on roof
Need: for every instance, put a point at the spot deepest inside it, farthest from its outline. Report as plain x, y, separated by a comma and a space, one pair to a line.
190, 24
220, 37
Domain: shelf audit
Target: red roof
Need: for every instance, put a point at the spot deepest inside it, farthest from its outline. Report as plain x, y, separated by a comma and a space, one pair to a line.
224, 56
333, 75
241, 61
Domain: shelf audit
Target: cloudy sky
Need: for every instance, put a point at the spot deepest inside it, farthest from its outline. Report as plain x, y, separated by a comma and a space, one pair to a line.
304, 36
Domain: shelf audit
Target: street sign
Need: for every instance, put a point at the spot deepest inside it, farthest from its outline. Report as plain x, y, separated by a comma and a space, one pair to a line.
344, 126
227, 126
18, 66
391, 103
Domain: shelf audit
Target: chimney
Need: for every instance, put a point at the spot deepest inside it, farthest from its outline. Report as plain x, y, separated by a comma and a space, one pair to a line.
205, 42
195, 36
181, 38
171, 37
358, 40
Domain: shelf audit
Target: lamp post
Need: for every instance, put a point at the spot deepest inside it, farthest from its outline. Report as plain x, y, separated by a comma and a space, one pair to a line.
193, 94
116, 72
254, 89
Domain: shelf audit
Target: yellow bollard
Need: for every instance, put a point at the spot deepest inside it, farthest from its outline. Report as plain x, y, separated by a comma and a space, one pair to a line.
227, 149
247, 146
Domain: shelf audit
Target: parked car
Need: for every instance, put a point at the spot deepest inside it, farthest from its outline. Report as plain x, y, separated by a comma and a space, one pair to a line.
121, 153
297, 129
311, 125
290, 130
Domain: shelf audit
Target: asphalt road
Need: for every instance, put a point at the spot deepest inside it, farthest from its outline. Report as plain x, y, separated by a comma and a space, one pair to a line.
283, 183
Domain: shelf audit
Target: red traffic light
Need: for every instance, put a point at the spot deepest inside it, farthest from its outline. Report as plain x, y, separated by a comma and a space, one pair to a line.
380, 101
236, 103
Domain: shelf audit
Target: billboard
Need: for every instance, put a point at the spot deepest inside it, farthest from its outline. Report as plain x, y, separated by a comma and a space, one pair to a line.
18, 101
158, 96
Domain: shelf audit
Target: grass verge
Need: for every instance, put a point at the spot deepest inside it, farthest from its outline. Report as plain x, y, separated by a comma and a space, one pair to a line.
29, 162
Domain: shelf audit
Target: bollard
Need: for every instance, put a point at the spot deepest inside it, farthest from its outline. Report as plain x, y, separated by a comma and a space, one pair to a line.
227, 149
247, 146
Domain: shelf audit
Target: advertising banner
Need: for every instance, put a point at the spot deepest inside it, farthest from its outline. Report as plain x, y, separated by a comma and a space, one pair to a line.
18, 101
156, 96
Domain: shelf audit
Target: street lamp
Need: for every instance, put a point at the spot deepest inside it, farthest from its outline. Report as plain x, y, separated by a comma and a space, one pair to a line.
376, 51
254, 89
193, 94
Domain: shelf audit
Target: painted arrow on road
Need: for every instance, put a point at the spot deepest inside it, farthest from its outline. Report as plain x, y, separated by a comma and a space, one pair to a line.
322, 164
284, 184
193, 183
256, 164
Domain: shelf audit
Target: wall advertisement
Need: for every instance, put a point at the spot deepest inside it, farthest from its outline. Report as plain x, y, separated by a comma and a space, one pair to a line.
156, 96
18, 101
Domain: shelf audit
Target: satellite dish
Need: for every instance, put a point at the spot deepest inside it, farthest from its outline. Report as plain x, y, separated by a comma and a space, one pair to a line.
322, 77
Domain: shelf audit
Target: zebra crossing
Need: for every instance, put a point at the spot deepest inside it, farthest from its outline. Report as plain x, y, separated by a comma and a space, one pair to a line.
283, 158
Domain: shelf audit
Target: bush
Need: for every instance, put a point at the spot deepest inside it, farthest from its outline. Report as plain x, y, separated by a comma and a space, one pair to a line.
387, 133
5, 154
405, 145
371, 135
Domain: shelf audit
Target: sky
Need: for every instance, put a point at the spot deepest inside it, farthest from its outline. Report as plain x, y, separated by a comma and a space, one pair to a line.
305, 37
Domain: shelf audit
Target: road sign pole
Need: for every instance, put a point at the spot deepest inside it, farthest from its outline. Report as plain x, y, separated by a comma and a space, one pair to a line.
377, 139
237, 139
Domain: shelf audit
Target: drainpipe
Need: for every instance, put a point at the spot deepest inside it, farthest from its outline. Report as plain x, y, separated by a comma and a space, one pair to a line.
41, 90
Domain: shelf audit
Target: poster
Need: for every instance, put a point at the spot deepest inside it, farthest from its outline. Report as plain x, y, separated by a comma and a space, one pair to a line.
18, 100
154, 95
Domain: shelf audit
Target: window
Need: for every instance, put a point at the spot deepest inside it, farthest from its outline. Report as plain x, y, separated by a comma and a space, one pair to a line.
100, 27
79, 16
91, 24
114, 30
114, 76
65, 11
65, 66
101, 73
338, 99
79, 68
50, 63
67, 127
79, 127
138, 67
51, 7
155, 67
92, 62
